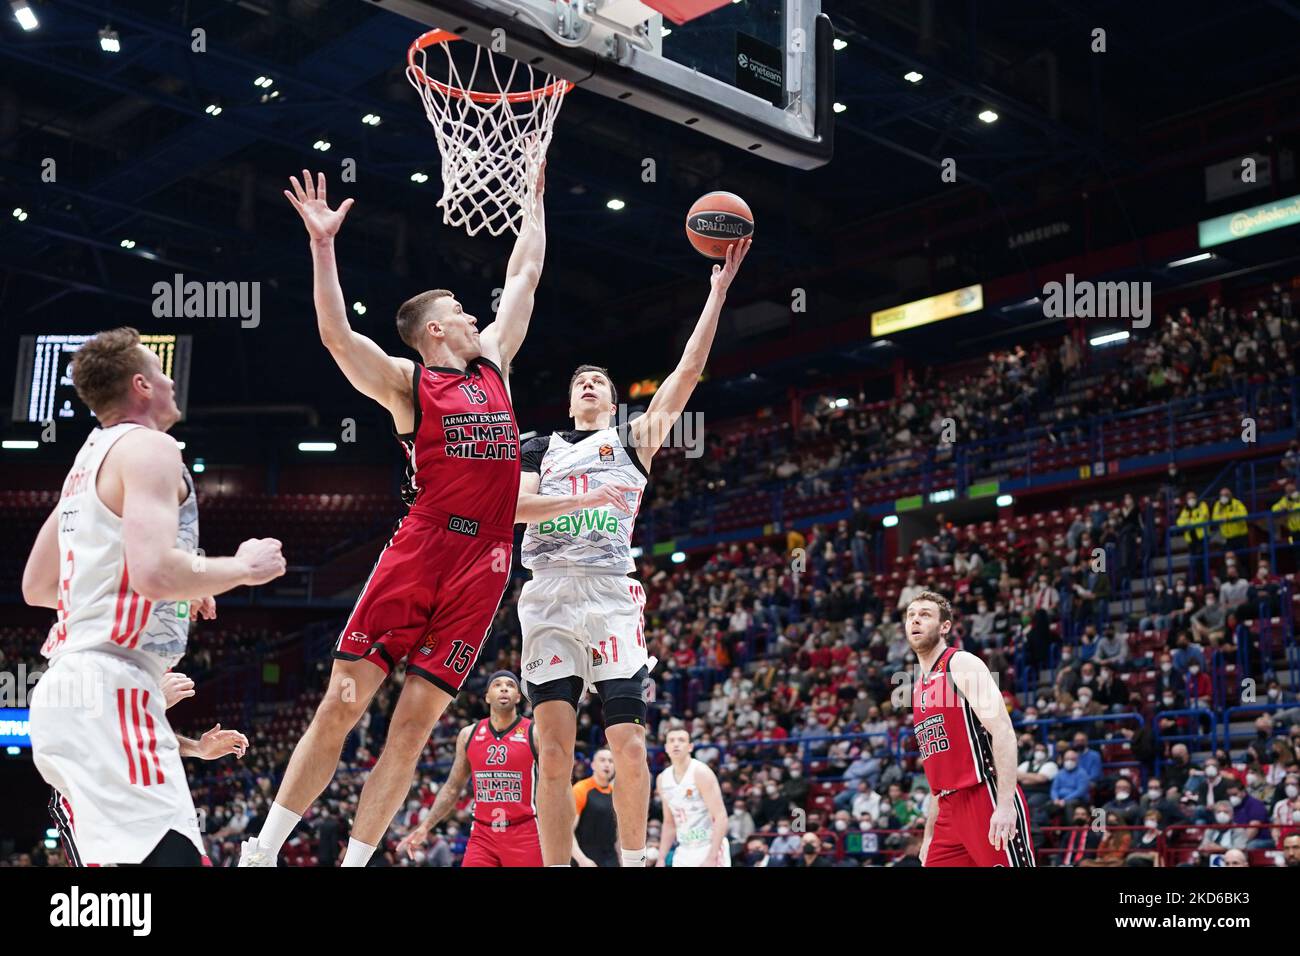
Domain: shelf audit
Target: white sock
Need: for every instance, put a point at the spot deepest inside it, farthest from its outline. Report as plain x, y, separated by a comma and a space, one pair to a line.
358, 853
280, 822
563, 866
634, 857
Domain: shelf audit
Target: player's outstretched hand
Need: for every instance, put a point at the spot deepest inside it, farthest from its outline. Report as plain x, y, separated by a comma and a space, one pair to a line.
262, 558
408, 843
218, 743
204, 609
608, 496
723, 274
175, 687
309, 199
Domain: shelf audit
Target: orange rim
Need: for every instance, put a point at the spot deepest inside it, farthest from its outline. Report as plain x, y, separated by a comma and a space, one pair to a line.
435, 37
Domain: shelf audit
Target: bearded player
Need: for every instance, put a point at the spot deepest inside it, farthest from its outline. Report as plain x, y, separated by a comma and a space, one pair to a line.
968, 750
433, 592
497, 755
694, 815
581, 614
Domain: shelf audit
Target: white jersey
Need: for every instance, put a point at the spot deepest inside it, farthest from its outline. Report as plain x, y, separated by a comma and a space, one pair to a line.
98, 609
690, 813
591, 539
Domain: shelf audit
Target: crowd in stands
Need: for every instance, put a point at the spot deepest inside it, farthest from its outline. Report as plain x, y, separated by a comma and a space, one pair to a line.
781, 655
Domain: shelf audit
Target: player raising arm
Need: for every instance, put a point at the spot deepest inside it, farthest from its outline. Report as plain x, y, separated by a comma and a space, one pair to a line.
434, 591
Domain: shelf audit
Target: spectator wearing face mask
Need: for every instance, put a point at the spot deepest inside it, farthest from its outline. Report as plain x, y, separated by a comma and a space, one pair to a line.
1220, 836
811, 853
1082, 841
1286, 524
1071, 786
1089, 759
1228, 515
740, 825
1123, 804
1233, 590
1263, 594
1249, 811
1159, 605
1035, 776
1208, 622
756, 854
1208, 785
785, 845
1194, 513
1110, 693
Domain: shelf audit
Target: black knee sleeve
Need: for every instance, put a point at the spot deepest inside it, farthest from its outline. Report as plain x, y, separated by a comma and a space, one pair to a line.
566, 688
623, 698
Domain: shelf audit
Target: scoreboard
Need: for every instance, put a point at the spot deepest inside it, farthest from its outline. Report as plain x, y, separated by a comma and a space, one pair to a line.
43, 389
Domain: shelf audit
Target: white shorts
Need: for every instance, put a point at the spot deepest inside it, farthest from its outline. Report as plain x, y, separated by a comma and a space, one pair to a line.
100, 737
582, 625
695, 854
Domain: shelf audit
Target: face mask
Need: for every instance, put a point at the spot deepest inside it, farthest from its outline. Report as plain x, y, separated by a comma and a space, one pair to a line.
1040, 755
1166, 667
841, 825
1071, 764
864, 824
1122, 795
1223, 817
1235, 801
1211, 772
783, 830
1292, 791
1223, 499
1274, 694
1194, 669
1153, 793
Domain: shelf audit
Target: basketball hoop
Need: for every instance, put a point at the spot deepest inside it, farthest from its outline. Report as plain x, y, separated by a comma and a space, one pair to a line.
492, 140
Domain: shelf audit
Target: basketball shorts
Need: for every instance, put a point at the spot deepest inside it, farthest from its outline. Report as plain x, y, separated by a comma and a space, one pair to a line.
430, 599
100, 737
515, 845
589, 626
694, 854
961, 831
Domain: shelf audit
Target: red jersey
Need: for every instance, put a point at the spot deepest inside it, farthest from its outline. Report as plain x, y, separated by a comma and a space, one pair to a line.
462, 457
503, 772
956, 751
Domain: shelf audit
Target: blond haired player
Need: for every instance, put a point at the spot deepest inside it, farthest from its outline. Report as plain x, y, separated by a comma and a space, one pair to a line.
116, 559
694, 815
978, 816
581, 614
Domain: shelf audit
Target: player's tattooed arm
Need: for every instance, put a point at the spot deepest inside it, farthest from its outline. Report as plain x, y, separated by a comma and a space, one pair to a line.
502, 339
650, 431
41, 575
445, 802
370, 370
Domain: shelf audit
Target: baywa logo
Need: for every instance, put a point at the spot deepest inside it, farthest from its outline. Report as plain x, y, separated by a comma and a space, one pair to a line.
588, 519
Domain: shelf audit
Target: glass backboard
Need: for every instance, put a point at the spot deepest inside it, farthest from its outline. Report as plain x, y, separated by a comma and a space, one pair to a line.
757, 74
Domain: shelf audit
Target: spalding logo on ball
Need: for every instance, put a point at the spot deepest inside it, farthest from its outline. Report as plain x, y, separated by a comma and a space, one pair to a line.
718, 221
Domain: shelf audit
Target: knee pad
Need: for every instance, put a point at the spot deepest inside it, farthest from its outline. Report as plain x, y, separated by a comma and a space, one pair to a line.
623, 698
566, 688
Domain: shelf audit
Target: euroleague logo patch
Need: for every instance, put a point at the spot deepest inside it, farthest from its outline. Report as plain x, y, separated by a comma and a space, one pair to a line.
607, 453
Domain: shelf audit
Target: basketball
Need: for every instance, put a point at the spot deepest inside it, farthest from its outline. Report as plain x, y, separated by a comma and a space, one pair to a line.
716, 221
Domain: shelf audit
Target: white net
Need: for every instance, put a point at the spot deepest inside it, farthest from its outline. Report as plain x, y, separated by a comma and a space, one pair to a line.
493, 126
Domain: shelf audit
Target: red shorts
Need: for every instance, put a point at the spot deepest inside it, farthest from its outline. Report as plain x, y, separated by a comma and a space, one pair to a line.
515, 845
430, 600
961, 832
